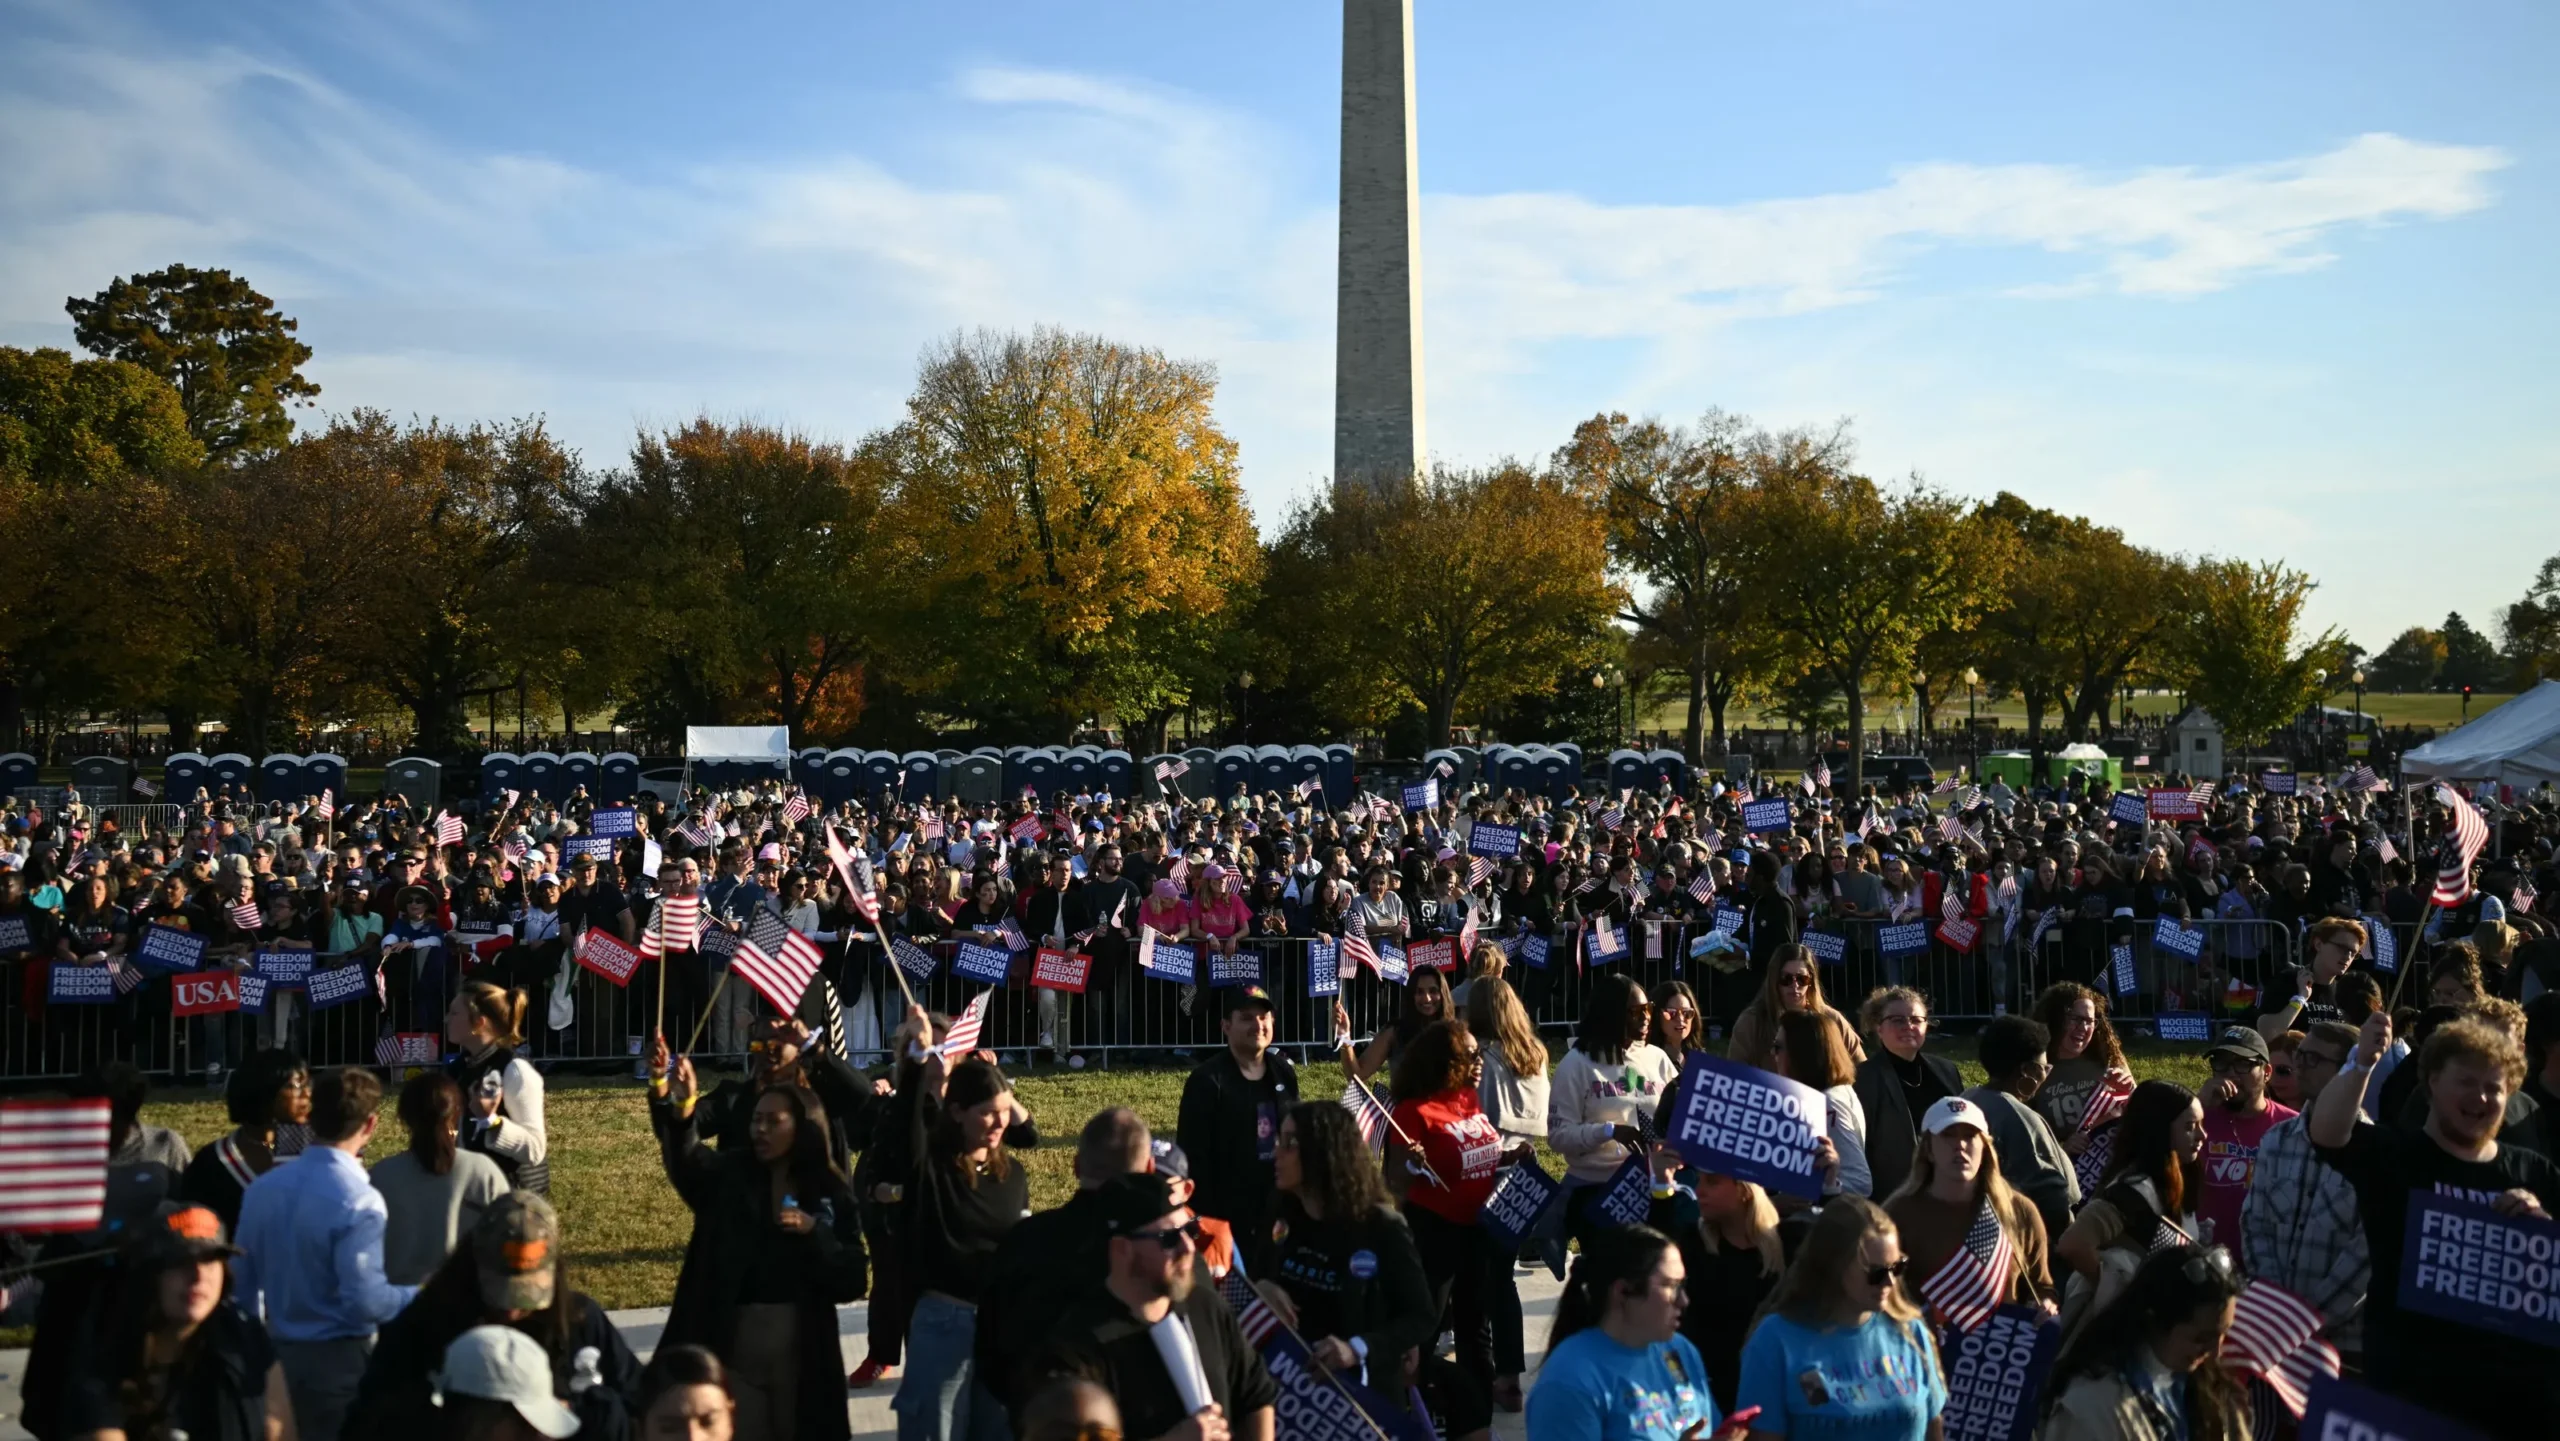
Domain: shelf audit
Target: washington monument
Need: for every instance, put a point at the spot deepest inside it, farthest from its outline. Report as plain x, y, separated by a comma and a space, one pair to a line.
1377, 345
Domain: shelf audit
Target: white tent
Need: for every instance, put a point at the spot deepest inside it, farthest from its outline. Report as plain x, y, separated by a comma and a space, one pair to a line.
2517, 744
738, 743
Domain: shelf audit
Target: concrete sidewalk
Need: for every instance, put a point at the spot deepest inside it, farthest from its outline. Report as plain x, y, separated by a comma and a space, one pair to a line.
872, 1420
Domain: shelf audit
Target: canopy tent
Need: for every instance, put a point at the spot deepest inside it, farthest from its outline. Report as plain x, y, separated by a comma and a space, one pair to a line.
2517, 744
737, 743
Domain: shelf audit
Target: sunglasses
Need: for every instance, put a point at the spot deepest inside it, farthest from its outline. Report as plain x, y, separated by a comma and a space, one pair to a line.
1878, 1275
1174, 1239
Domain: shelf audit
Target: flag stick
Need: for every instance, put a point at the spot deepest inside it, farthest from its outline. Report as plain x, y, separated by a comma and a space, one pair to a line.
716, 987
658, 923
2409, 962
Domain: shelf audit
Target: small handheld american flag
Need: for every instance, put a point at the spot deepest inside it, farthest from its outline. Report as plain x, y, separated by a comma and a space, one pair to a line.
1702, 887
2361, 778
449, 830
1254, 1315
676, 927
962, 1038
53, 1164
1355, 939
777, 960
1975, 1280
1820, 775
1310, 788
2275, 1336
1011, 930
1363, 1105
2459, 848
247, 916
795, 810
2107, 1102
325, 808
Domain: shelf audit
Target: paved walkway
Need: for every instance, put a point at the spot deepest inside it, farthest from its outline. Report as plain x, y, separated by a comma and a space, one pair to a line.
872, 1420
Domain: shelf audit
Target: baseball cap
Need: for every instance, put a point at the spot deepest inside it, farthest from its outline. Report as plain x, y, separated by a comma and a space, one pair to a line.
2241, 1041
1952, 1111
514, 1243
1134, 1202
1169, 1159
1248, 996
501, 1363
181, 1232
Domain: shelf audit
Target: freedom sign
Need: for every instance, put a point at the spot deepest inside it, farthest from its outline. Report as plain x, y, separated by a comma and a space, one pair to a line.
1439, 955
2277, 783
2169, 936
1244, 968
981, 963
1499, 842
2350, 1412
2172, 805
597, 848
1995, 1373
606, 955
1317, 1405
614, 822
1615, 941
253, 994
2120, 964
1533, 952
80, 986
1169, 961
2184, 1026
2386, 946
166, 948
2461, 1261
289, 969
1521, 1194
1056, 970
1826, 947
1422, 797
1392, 966
1626, 1198
2128, 808
13, 935
1729, 919
1747, 1123
337, 987
1324, 973
1908, 939
204, 994
1766, 816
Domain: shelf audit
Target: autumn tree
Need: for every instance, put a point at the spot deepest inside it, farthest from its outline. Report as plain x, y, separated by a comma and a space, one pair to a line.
1072, 538
1459, 590
2233, 645
231, 354
2077, 611
2532, 629
2409, 663
1854, 575
1673, 497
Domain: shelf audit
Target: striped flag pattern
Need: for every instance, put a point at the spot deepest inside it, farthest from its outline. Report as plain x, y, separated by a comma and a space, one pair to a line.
795, 810
326, 808
1355, 940
1310, 788
247, 916
856, 883
700, 829
1363, 1105
2361, 778
1011, 930
2107, 1102
676, 927
53, 1164
1702, 887
962, 1038
1611, 818
1478, 868
2274, 1336
1975, 1280
1254, 1316
2459, 848
2202, 793
778, 961
449, 829
1820, 775
128, 980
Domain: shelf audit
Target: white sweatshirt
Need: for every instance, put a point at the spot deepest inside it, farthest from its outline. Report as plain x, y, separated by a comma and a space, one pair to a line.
1588, 1101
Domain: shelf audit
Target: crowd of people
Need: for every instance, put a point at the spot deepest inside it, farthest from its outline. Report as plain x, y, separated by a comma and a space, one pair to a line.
872, 1149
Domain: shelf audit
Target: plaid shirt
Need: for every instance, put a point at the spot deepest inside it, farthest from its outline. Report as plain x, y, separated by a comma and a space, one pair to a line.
2299, 1227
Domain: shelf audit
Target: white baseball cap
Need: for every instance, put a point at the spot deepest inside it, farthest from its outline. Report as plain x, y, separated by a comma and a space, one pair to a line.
1954, 1111
501, 1363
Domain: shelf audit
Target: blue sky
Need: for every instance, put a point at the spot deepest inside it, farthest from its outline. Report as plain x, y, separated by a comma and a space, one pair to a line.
2266, 280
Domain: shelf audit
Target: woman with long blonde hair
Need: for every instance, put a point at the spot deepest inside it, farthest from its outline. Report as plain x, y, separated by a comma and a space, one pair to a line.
1735, 1254
1793, 983
1955, 1178
1841, 1349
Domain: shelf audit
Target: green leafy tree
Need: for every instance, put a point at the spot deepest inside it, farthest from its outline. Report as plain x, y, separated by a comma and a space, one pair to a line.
2469, 658
231, 354
2233, 646
2409, 663
2532, 627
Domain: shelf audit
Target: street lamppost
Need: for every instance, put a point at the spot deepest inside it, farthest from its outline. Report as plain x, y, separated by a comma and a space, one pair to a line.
2355, 726
1602, 679
1972, 725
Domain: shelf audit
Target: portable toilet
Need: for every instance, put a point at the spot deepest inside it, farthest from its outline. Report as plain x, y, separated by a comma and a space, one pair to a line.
103, 780
978, 778
500, 772
1154, 786
542, 776
232, 769
1118, 773
809, 768
920, 776
617, 777
840, 777
1273, 770
1235, 770
280, 778
1341, 774
181, 776
1673, 767
417, 778
881, 771
1080, 767
1558, 771
579, 768
1630, 770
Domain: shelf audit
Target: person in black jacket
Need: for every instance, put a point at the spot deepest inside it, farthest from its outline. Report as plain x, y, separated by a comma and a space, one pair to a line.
1053, 1257
1898, 1083
1230, 1124
174, 1355
507, 1272
776, 1247
779, 1054
1769, 917
1345, 1272
269, 1102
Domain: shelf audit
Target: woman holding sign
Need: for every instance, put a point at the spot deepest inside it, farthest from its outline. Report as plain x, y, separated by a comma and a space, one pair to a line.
2149, 1367
1841, 1352
1443, 1177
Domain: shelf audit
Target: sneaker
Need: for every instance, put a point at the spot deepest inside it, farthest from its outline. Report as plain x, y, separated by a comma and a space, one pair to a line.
868, 1374
1076, 1062
1048, 1041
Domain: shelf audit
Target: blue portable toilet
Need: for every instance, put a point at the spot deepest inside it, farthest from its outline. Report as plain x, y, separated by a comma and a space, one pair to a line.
920, 776
103, 780
1271, 770
618, 777
17, 772
325, 771
809, 768
1452, 785
1118, 774
1147, 771
1630, 770
542, 776
1077, 763
978, 778
579, 768
881, 771
417, 778
232, 769
1235, 768
840, 777
1341, 774
1673, 767
280, 778
1558, 771
181, 775
1572, 752
1514, 769
1305, 763
1470, 763
500, 772
1043, 770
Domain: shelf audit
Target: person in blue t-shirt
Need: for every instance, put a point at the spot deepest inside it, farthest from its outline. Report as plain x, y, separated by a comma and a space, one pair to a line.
1617, 1367
1842, 1354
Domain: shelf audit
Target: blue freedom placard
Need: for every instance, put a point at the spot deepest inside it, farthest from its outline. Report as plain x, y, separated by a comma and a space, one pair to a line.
2184, 1026
13, 935
1533, 952
913, 959
1627, 1197
2346, 1410
1770, 815
1729, 919
1244, 968
2130, 808
1170, 961
337, 987
254, 989
1826, 947
1499, 842
2276, 783
1392, 965
2120, 965
1521, 1194
1422, 797
2462, 1261
614, 823
990, 964
1317, 1405
2386, 944
289, 969
1747, 1123
2169, 936
1908, 939
80, 986
1995, 1373
1615, 947
166, 948
597, 848
1324, 969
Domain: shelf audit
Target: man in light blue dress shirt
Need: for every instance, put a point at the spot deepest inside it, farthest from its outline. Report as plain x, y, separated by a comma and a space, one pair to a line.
310, 1264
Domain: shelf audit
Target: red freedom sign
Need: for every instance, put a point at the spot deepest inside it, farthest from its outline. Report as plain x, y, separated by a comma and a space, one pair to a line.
2174, 805
1057, 970
205, 993
608, 957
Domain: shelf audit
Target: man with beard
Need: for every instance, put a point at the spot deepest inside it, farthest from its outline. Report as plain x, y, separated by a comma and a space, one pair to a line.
1111, 1334
2237, 1116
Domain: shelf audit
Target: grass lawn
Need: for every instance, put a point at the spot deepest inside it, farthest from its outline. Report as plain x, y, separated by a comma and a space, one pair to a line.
626, 1232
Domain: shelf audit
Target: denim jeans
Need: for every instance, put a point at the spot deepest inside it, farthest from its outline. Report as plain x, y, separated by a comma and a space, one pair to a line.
940, 1398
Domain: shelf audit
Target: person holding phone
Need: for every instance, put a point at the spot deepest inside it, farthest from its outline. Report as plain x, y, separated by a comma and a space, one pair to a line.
1617, 1367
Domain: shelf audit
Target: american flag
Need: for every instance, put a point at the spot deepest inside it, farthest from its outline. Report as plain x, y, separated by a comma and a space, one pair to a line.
854, 888
513, 850
2167, 1236
1467, 936
1820, 775
962, 1038
1478, 867
1364, 1107
1703, 885
932, 828
2385, 849
2202, 793
1952, 831
406, 1049
1951, 899
2107, 1102
1589, 884
1611, 818
2525, 895
53, 1164
1171, 767
2360, 778
1310, 788
1604, 937
142, 786
1012, 933
676, 927
1870, 822
2459, 848
2275, 1336
1355, 940
1968, 798
795, 810
1975, 1280
1947, 786
449, 829
247, 916
1178, 869
1254, 1316
128, 980
326, 808
700, 829
777, 960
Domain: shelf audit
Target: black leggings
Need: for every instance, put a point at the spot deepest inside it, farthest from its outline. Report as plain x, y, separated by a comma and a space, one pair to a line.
1463, 1268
